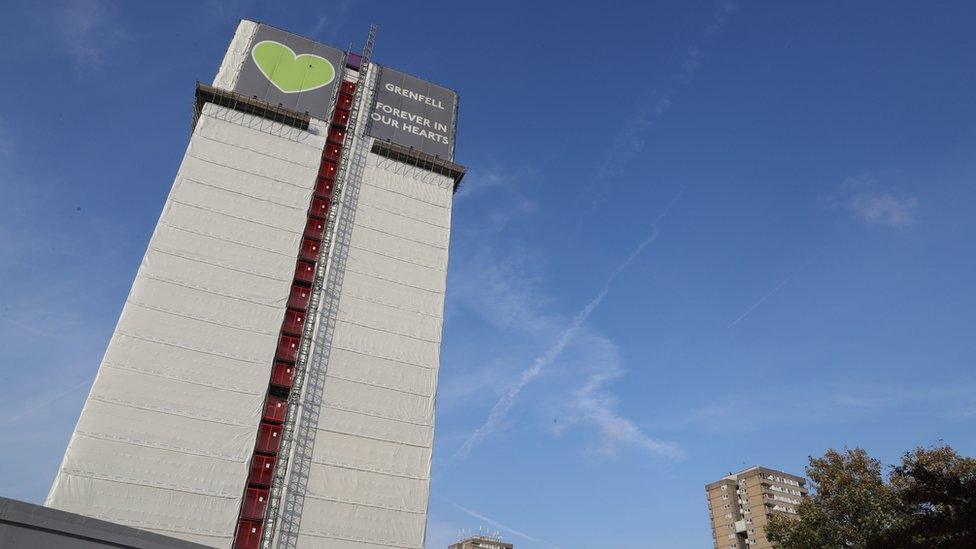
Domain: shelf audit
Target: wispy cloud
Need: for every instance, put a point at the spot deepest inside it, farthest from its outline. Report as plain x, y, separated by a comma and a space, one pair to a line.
87, 29
482, 179
861, 197
826, 403
964, 411
499, 525
319, 25
875, 397
480, 381
629, 142
500, 284
521, 206
596, 405
332, 20
501, 288
503, 406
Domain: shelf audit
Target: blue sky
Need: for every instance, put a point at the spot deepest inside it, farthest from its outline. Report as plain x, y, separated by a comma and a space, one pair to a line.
695, 236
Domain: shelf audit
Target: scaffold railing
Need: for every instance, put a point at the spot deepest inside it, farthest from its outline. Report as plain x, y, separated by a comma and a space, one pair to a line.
295, 441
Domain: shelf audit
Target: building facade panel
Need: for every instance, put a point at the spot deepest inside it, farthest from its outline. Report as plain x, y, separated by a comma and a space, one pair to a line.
179, 387
207, 306
331, 522
390, 292
388, 318
366, 488
181, 363
170, 469
378, 428
384, 372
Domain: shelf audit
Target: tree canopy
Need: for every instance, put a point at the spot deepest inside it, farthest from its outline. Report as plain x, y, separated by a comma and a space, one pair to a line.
928, 500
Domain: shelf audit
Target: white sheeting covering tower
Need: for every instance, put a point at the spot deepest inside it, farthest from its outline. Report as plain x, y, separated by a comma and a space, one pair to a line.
165, 439
370, 468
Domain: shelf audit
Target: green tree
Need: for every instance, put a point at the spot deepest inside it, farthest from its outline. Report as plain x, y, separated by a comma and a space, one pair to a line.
936, 489
851, 505
928, 501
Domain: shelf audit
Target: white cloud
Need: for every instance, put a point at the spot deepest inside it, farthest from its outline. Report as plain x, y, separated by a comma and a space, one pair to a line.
720, 18
596, 405
503, 406
87, 29
476, 379
825, 404
500, 288
885, 209
861, 197
479, 180
331, 21
628, 143
318, 26
964, 411
520, 206
500, 285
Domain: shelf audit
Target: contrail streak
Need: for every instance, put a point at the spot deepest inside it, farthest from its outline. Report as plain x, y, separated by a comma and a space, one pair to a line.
768, 295
30, 328
505, 403
47, 402
497, 524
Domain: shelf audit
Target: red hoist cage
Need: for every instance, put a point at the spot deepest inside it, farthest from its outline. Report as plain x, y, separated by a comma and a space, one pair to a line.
251, 521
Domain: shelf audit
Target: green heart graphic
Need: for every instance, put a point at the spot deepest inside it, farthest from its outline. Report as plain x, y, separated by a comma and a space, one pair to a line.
291, 73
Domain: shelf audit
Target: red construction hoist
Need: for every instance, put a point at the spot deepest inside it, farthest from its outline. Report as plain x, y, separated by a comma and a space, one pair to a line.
259, 508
